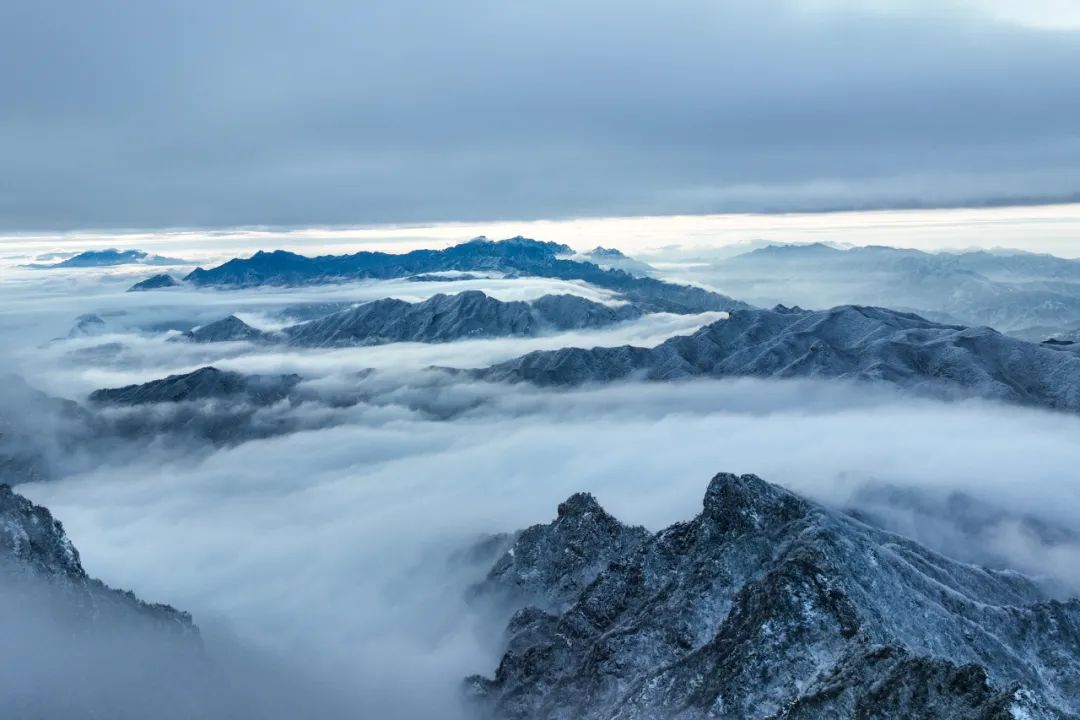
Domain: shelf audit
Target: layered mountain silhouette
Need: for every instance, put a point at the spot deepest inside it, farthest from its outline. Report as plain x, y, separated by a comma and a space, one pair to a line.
206, 383
109, 258
848, 342
440, 318
516, 256
1025, 293
766, 605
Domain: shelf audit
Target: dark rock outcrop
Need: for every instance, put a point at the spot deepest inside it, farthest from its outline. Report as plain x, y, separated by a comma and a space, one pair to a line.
768, 606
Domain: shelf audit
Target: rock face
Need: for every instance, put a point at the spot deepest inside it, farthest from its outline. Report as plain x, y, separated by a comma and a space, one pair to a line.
156, 282
858, 343
767, 606
207, 383
515, 256
442, 318
33, 544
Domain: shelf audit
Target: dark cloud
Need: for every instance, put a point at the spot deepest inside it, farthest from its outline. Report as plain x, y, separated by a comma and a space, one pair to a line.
148, 113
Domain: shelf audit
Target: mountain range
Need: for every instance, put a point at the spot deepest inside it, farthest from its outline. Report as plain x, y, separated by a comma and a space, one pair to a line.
515, 256
1029, 294
440, 318
109, 258
765, 606
848, 342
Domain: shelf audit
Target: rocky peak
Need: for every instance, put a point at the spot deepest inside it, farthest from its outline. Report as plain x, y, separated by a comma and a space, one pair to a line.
549, 564
746, 503
791, 611
580, 505
30, 536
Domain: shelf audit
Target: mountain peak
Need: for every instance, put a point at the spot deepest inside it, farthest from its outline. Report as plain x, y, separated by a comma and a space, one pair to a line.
746, 502
579, 505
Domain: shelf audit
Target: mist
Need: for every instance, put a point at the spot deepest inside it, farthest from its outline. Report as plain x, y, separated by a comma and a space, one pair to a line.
334, 549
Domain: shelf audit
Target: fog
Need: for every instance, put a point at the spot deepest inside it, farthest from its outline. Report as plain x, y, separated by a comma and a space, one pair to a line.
336, 554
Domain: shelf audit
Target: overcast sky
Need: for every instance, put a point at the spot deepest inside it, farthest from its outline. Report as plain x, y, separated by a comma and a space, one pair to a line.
137, 113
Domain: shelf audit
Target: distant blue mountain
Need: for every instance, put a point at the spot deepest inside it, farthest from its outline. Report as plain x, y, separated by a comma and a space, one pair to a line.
516, 256
110, 257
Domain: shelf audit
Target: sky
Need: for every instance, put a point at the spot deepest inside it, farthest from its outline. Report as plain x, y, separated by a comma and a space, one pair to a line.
148, 114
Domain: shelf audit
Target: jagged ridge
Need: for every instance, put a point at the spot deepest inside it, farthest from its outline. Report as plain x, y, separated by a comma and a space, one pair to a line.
206, 383
769, 606
853, 342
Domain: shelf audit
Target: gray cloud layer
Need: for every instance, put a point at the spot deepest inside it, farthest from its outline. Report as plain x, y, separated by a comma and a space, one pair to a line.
147, 114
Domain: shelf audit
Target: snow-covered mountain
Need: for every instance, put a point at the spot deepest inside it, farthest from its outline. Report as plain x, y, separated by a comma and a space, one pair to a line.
206, 383
766, 605
440, 318
1009, 291
848, 342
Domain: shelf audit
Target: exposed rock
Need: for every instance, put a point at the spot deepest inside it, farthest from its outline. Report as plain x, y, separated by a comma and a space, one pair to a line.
851, 342
769, 606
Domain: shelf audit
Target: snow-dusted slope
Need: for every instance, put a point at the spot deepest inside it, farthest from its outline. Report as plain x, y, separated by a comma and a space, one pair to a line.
858, 343
442, 318
767, 606
206, 383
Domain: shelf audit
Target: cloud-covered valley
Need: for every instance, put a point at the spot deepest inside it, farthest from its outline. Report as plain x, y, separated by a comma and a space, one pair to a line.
339, 545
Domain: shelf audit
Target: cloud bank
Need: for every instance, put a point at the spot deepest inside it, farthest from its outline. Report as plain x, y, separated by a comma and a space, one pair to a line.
135, 114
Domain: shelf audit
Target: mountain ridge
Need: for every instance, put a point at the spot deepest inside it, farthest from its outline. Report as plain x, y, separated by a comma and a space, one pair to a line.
767, 605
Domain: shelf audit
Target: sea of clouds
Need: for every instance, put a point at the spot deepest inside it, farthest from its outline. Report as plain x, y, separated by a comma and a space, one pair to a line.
336, 551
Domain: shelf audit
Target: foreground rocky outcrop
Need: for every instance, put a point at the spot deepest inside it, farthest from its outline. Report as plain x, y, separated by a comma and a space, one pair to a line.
76, 648
849, 342
766, 605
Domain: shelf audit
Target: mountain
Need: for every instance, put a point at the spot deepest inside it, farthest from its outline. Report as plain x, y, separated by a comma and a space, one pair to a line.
77, 648
850, 342
1011, 291
442, 318
87, 325
111, 257
766, 605
206, 383
36, 430
230, 329
517, 255
155, 282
